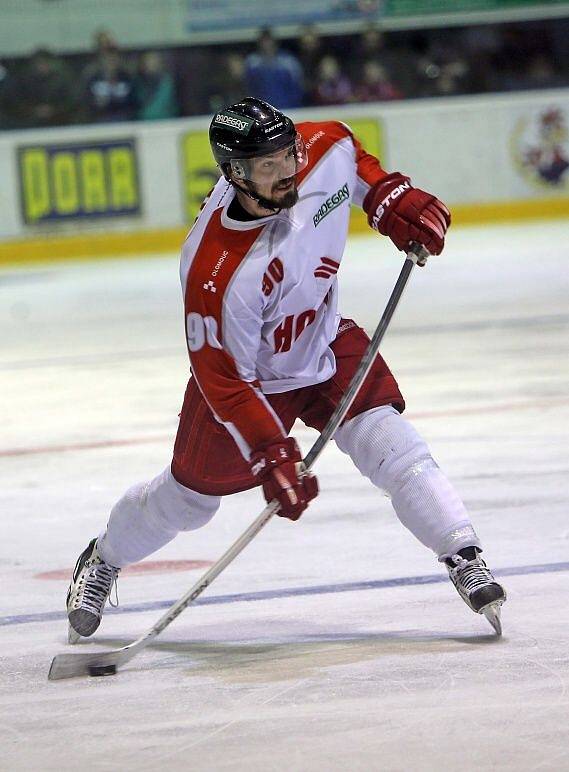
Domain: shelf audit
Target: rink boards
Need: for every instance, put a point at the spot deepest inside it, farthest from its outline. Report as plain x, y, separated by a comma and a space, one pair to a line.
135, 187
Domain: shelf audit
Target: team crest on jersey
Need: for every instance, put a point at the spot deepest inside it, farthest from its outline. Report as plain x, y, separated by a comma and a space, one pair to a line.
335, 200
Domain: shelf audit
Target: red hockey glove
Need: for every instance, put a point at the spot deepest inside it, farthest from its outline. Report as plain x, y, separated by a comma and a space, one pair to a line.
406, 214
277, 466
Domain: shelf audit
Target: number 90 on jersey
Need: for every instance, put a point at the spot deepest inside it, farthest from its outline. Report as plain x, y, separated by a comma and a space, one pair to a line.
201, 330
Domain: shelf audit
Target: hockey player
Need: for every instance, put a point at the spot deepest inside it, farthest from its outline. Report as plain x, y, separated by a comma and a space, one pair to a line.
267, 346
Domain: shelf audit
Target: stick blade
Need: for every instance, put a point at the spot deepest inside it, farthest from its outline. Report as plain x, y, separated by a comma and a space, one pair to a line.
75, 665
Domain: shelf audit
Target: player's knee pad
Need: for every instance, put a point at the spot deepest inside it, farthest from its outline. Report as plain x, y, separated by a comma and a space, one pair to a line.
175, 506
385, 448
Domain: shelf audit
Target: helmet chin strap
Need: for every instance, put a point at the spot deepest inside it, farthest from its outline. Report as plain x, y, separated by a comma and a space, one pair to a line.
262, 202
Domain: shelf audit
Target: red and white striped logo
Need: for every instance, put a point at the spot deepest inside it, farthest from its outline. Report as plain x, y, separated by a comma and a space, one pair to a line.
327, 268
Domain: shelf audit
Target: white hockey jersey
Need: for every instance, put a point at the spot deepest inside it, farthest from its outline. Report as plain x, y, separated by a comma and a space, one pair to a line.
261, 296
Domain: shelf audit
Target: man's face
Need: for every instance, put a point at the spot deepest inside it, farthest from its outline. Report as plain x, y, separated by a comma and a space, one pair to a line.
273, 179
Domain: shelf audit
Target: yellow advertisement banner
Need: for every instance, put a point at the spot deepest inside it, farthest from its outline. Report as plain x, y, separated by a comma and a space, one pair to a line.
78, 181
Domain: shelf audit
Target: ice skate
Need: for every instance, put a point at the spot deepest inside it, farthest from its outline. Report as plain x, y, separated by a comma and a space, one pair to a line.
91, 585
476, 585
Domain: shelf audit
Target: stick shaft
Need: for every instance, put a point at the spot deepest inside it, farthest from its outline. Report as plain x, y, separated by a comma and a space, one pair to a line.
69, 665
228, 556
328, 432
364, 367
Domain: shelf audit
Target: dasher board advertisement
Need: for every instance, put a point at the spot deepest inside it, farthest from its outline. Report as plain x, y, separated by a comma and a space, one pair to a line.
78, 180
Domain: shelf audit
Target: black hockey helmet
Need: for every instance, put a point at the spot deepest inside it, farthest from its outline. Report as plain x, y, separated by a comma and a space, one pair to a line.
248, 129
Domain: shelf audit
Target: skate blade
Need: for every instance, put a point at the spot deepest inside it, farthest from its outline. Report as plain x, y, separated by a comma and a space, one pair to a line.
72, 635
492, 614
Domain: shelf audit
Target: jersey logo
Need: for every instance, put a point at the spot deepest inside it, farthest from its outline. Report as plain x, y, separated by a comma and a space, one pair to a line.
291, 329
314, 138
327, 268
380, 211
234, 122
221, 260
335, 200
210, 286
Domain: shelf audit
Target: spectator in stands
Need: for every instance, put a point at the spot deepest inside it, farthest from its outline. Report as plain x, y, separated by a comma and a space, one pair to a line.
110, 89
195, 77
541, 73
103, 43
273, 74
559, 48
443, 71
230, 87
332, 86
154, 89
480, 45
510, 60
46, 95
376, 85
310, 51
371, 42
398, 62
6, 98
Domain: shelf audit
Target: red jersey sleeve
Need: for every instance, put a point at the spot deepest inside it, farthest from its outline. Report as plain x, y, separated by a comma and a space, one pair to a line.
320, 137
369, 169
227, 383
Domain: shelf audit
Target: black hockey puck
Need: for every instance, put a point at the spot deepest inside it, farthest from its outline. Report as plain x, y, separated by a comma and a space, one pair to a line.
102, 670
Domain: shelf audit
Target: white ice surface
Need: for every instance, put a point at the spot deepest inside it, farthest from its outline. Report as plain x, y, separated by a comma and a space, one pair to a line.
400, 678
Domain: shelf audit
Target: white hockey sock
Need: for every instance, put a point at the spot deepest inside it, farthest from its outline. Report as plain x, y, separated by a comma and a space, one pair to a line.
149, 515
390, 452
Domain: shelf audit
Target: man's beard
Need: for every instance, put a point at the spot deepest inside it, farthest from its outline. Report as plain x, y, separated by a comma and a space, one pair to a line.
287, 201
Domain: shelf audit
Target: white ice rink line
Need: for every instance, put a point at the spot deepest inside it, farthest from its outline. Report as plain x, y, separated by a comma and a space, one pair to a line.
387, 674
